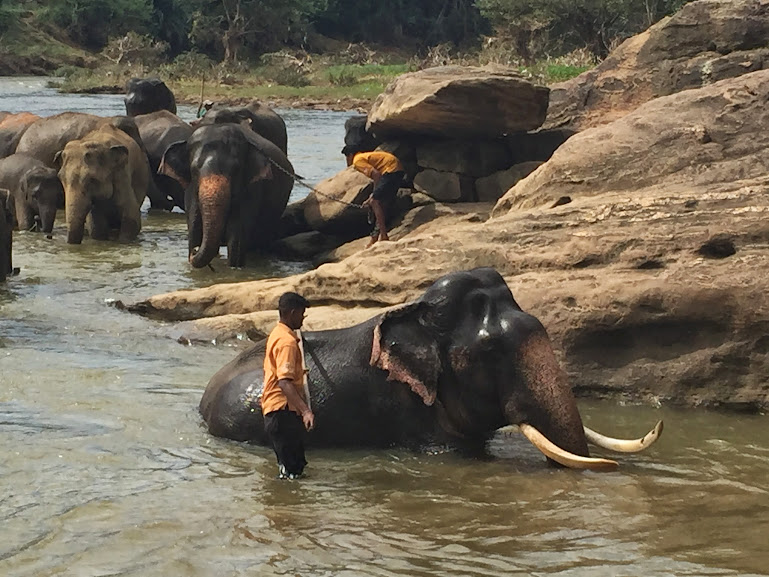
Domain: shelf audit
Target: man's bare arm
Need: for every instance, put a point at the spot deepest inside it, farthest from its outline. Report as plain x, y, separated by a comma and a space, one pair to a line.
295, 401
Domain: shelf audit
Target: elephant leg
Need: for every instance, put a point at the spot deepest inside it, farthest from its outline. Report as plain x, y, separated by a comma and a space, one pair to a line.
236, 254
130, 215
97, 223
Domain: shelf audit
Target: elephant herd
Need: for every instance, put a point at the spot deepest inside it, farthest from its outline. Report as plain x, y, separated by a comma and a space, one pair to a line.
228, 171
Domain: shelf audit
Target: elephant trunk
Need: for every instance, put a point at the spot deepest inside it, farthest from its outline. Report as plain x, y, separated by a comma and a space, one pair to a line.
47, 218
76, 210
552, 408
214, 195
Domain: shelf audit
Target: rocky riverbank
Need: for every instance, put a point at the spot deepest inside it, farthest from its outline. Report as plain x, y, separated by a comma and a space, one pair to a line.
640, 244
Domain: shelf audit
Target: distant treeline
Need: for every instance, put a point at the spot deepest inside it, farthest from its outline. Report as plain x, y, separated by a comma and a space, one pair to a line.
244, 29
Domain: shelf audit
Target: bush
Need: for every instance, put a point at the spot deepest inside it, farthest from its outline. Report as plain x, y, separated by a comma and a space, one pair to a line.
288, 76
344, 76
187, 65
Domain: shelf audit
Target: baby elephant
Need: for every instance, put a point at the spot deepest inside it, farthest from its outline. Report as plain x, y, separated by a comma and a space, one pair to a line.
35, 190
105, 177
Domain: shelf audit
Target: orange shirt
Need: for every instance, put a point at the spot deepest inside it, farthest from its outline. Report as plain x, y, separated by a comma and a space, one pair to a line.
282, 360
382, 161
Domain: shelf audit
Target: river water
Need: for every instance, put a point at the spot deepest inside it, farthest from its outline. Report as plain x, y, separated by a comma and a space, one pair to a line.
105, 468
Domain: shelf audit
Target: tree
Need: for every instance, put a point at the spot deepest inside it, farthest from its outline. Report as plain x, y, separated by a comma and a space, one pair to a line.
258, 25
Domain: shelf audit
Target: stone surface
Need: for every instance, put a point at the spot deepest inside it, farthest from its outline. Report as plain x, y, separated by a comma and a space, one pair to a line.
324, 213
704, 42
468, 157
444, 186
435, 102
706, 138
492, 188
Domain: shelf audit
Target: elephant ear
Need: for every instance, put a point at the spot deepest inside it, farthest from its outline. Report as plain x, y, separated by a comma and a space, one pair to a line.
176, 163
407, 351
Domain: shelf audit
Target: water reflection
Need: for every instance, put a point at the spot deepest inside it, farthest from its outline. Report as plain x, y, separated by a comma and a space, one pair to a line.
105, 468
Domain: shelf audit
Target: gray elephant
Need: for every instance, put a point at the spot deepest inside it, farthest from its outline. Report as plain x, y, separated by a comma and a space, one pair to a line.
12, 128
452, 368
237, 185
158, 131
48, 136
260, 118
6, 237
105, 178
146, 95
35, 189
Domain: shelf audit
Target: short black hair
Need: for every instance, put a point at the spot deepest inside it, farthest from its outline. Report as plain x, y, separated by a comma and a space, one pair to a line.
291, 301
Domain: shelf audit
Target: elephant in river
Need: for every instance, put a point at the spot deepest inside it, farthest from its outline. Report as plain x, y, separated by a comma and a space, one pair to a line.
237, 185
12, 128
146, 95
158, 131
260, 118
105, 178
48, 136
451, 367
35, 189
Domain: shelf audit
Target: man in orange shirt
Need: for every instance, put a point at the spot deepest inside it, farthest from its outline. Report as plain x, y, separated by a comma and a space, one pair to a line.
387, 173
286, 412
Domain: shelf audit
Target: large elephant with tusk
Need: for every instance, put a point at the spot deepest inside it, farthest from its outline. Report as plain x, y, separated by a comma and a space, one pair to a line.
454, 366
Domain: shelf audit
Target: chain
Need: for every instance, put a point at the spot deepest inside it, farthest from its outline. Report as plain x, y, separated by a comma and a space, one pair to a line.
315, 190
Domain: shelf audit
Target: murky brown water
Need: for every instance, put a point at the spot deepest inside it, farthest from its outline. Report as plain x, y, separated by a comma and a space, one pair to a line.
106, 470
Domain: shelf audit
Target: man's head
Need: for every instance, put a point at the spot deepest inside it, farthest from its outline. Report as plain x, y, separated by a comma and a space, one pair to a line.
291, 307
208, 104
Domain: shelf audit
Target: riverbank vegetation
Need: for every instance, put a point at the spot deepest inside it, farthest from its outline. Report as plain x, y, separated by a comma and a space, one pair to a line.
346, 50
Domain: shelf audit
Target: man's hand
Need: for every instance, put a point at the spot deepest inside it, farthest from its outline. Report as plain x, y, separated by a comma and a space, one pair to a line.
367, 202
308, 418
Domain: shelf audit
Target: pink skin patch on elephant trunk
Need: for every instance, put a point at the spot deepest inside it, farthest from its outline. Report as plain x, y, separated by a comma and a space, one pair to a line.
214, 200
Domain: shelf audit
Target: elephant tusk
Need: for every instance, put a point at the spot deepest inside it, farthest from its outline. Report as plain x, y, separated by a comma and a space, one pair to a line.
624, 445
554, 452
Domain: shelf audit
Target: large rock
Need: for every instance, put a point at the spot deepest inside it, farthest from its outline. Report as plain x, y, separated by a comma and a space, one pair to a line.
356, 138
458, 102
704, 42
331, 212
445, 186
697, 138
491, 188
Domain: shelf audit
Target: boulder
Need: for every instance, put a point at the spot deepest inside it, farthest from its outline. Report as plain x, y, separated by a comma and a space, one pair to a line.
445, 186
491, 188
435, 102
292, 221
695, 138
330, 211
704, 42
470, 157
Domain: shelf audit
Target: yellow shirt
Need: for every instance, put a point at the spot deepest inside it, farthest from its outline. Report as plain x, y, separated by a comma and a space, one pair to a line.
382, 161
282, 360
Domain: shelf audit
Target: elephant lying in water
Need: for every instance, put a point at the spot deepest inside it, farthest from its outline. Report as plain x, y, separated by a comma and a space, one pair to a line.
452, 367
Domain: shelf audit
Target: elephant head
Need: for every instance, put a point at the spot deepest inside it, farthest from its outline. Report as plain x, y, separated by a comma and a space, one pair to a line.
468, 348
90, 172
42, 189
218, 164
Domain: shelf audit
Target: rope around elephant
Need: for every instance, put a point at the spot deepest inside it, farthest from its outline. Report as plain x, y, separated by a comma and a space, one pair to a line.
315, 190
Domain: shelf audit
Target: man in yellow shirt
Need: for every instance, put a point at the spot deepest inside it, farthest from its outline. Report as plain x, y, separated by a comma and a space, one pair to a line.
286, 412
387, 173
